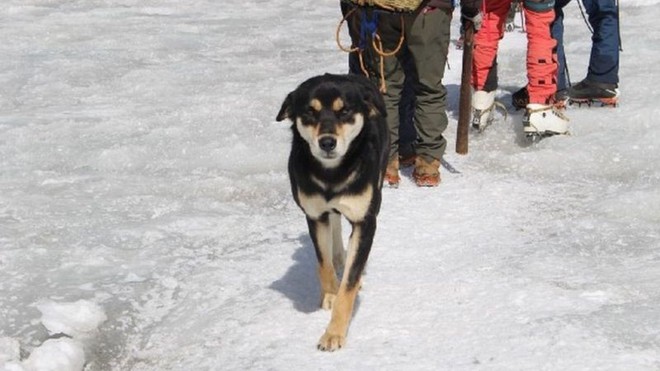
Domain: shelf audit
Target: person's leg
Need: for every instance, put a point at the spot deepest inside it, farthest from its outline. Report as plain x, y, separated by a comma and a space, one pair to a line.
520, 98
604, 59
601, 83
483, 101
557, 32
484, 62
541, 65
486, 43
541, 117
428, 42
407, 133
389, 30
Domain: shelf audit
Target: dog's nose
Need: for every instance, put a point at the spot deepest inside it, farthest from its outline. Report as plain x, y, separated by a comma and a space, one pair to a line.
327, 143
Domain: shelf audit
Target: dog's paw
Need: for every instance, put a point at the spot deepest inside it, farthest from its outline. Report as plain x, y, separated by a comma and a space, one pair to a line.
328, 300
331, 342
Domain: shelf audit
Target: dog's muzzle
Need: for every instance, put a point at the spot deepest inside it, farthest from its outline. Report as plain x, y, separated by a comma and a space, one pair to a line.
327, 143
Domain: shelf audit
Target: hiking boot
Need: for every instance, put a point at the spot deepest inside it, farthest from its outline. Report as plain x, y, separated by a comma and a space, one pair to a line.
482, 109
426, 174
544, 120
590, 91
392, 173
520, 99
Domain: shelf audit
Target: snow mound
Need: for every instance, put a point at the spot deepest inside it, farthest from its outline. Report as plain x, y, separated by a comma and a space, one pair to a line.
77, 320
57, 355
69, 324
63, 354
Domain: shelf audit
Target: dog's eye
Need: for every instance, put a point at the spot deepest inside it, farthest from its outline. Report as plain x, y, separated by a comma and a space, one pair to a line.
345, 111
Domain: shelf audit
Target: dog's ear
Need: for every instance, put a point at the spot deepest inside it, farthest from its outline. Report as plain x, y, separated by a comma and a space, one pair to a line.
376, 103
285, 111
373, 97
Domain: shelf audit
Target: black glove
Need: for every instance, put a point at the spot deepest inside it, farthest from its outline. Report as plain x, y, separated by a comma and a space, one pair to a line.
473, 15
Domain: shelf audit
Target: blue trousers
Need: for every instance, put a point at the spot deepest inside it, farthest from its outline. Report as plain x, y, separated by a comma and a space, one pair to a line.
603, 17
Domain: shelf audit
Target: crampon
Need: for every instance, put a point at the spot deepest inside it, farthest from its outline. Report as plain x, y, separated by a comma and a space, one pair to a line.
598, 102
481, 119
591, 92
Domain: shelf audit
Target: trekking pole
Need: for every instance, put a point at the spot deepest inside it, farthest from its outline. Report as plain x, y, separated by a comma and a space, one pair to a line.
465, 100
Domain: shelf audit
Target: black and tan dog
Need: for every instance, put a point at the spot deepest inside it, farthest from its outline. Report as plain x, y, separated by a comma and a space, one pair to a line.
336, 167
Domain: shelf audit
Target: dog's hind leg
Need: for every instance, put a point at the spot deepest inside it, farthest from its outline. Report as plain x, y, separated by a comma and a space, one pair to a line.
358, 251
321, 232
338, 253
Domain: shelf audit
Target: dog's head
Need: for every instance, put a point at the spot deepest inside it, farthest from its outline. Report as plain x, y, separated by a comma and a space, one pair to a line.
330, 111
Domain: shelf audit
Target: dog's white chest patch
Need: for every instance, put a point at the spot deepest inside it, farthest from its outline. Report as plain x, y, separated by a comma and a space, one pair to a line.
354, 207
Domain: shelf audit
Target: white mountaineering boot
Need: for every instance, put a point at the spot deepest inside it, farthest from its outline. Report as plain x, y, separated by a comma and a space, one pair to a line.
544, 120
482, 109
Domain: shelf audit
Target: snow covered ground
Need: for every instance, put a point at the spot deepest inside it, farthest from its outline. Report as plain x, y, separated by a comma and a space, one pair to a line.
144, 198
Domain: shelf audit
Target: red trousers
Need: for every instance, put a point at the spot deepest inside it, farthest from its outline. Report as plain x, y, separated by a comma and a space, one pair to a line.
541, 57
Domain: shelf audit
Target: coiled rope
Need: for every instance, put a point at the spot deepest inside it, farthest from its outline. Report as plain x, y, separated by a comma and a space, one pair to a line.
369, 28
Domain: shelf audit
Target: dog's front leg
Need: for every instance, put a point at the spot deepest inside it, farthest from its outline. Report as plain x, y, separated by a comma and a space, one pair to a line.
358, 251
321, 232
338, 253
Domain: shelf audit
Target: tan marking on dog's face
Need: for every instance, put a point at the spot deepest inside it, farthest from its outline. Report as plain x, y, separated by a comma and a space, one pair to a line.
316, 105
344, 133
338, 105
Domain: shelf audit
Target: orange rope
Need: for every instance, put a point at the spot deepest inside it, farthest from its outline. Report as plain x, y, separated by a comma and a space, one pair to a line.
377, 44
347, 50
383, 86
380, 50
362, 66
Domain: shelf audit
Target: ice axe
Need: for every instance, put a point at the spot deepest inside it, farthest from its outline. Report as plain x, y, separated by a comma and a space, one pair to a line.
465, 99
